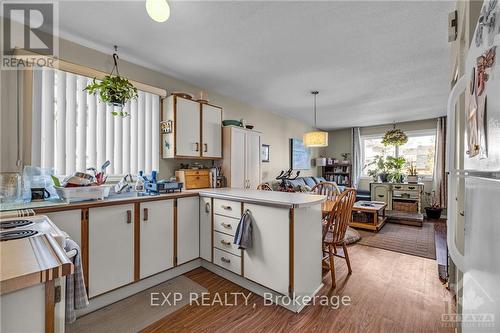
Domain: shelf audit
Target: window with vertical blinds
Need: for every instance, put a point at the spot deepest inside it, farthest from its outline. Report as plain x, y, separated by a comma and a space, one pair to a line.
73, 131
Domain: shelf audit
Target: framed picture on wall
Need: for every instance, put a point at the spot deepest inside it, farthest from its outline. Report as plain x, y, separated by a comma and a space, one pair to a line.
300, 155
265, 153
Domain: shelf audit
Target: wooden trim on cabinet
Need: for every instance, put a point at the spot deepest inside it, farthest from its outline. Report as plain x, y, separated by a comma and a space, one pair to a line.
49, 306
175, 126
291, 253
212, 229
201, 129
84, 230
175, 232
242, 252
137, 241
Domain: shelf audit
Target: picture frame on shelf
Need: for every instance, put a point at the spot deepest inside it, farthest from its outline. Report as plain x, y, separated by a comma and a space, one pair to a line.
265, 153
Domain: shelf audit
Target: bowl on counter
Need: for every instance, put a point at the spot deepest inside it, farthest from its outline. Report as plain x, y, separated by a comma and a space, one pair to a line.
230, 122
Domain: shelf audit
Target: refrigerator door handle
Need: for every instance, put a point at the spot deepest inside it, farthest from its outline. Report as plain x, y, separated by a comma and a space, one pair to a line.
455, 93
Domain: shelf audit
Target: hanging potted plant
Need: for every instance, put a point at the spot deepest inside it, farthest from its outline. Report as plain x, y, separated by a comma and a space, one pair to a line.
113, 89
395, 137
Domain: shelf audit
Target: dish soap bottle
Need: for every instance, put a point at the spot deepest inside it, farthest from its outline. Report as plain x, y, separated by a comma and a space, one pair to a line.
139, 184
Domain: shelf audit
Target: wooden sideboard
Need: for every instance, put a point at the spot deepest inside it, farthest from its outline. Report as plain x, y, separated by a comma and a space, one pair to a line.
399, 196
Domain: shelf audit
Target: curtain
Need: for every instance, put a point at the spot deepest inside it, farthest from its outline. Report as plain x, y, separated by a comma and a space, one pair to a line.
357, 167
73, 130
440, 181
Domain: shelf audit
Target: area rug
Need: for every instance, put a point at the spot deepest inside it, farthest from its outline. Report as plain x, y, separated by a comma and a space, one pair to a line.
135, 312
417, 241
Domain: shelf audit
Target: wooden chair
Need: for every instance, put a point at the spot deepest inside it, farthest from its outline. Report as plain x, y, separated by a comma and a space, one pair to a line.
330, 189
264, 187
335, 229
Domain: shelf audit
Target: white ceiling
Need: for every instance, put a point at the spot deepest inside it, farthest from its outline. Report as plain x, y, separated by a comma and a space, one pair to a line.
373, 62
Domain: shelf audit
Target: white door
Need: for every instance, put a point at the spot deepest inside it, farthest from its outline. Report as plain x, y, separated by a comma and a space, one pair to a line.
211, 131
188, 229
187, 126
267, 261
206, 228
111, 248
69, 221
157, 237
238, 179
252, 159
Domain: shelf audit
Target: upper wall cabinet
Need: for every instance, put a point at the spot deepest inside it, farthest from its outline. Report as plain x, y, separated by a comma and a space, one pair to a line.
191, 129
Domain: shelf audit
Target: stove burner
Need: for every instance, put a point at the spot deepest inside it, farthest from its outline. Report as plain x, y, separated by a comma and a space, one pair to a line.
14, 224
16, 234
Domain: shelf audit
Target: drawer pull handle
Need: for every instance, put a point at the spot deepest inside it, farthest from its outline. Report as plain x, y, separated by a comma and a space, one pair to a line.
197, 146
223, 242
227, 261
226, 225
227, 207
129, 216
411, 187
381, 195
207, 207
397, 187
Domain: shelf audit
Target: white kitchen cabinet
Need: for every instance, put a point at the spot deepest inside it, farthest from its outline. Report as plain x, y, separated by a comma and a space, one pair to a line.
266, 262
206, 228
111, 248
242, 162
69, 221
188, 229
156, 237
196, 129
211, 131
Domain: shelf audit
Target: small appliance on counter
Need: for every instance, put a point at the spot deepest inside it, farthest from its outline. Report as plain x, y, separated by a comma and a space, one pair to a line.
155, 187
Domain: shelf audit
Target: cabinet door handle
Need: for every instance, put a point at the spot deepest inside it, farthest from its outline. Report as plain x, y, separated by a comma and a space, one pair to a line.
129, 216
146, 214
227, 207
223, 242
207, 207
197, 146
226, 225
205, 147
227, 261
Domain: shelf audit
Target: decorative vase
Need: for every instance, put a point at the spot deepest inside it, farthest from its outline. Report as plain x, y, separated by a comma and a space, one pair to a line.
412, 179
433, 212
383, 177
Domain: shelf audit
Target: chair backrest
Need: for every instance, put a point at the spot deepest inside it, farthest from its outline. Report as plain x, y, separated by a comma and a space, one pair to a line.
264, 187
340, 215
330, 189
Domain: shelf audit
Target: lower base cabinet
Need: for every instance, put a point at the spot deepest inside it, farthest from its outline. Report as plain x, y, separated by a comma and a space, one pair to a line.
111, 248
156, 221
188, 229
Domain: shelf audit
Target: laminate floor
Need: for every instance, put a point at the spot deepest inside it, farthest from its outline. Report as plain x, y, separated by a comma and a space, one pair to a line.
388, 291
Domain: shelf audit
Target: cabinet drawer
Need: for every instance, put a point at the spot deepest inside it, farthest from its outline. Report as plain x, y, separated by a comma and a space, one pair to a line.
406, 187
196, 172
194, 182
225, 224
227, 208
228, 261
225, 242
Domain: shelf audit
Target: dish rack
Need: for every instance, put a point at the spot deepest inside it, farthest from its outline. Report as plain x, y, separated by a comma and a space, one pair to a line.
83, 193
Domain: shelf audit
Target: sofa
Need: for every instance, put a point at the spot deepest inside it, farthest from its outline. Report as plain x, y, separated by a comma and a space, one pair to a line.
308, 183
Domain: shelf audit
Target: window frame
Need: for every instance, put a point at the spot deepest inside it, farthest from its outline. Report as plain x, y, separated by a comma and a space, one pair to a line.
412, 133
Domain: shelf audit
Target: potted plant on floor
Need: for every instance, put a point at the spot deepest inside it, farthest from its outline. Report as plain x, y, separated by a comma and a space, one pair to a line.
378, 169
412, 177
395, 166
434, 210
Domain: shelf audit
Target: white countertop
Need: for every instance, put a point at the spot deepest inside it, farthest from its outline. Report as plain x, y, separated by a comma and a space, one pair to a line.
274, 198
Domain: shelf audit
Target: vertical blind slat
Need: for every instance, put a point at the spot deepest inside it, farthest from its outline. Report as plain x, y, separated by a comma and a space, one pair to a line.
118, 144
70, 123
155, 132
133, 137
91, 130
141, 154
147, 133
126, 141
60, 123
81, 124
101, 133
47, 156
110, 138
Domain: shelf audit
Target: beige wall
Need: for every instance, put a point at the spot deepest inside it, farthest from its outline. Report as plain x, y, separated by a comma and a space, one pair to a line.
276, 129
339, 141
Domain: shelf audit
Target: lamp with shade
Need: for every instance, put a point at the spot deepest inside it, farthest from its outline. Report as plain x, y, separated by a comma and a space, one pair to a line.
315, 138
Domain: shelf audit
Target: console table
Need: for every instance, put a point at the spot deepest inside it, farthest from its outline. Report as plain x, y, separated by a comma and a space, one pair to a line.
399, 196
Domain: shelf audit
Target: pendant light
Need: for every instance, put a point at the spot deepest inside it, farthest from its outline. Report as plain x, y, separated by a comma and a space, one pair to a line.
158, 10
315, 138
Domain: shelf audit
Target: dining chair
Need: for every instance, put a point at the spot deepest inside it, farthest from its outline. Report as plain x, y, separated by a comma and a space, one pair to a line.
330, 189
264, 187
334, 231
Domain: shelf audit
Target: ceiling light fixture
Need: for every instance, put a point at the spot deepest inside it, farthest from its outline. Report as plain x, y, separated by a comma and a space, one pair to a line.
315, 138
158, 10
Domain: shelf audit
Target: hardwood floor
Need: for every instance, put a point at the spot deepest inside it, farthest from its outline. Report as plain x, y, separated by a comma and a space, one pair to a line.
389, 291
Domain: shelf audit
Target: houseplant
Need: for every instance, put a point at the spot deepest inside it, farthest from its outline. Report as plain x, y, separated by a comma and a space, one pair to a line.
395, 166
434, 210
395, 137
113, 89
412, 173
378, 169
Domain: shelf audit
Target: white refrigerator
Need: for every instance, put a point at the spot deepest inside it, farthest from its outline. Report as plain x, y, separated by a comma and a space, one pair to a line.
480, 177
